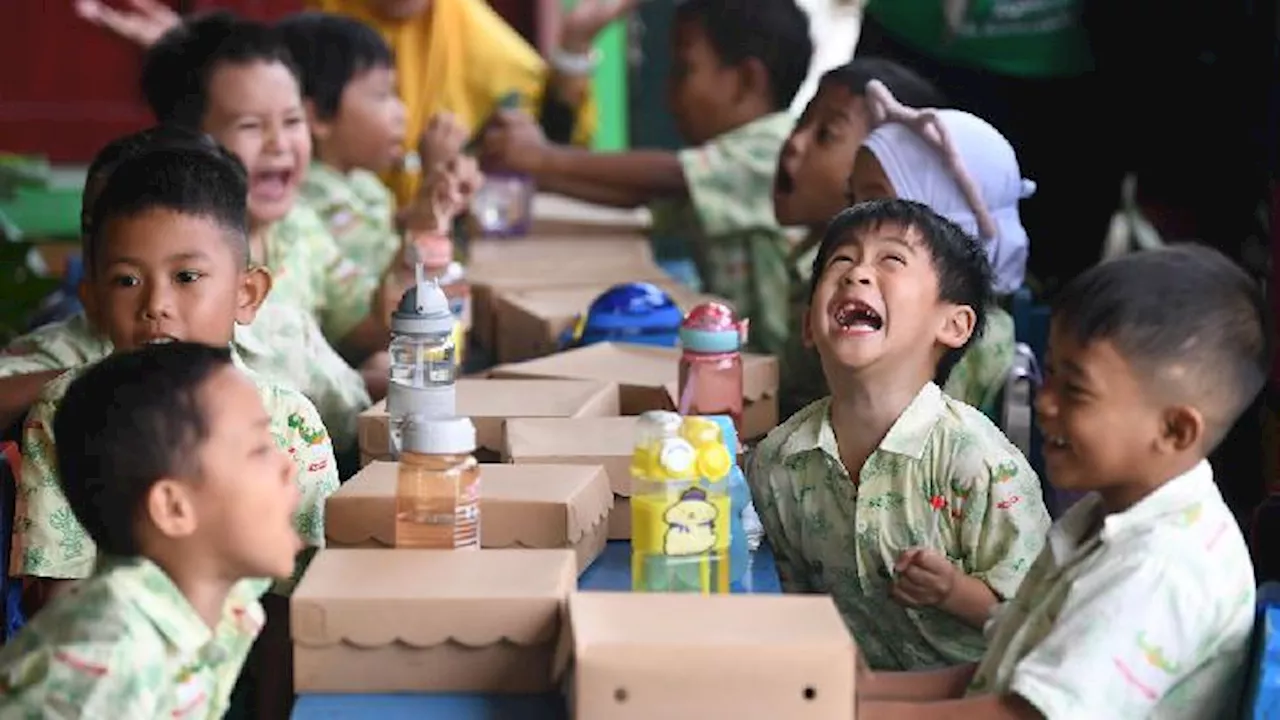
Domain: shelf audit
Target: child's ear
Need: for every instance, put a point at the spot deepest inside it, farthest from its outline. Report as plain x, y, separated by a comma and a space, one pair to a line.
170, 509
320, 129
254, 288
1182, 427
806, 327
754, 78
957, 326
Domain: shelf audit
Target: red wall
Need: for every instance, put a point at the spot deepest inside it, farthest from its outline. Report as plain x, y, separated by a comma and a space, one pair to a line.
67, 88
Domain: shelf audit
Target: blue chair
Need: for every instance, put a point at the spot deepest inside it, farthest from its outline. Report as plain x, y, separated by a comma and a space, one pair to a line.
1261, 699
63, 302
10, 588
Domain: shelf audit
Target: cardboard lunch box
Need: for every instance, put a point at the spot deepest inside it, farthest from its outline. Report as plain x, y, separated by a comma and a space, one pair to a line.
599, 247
497, 275
483, 621
648, 378
521, 506
683, 655
554, 213
490, 403
531, 323
594, 442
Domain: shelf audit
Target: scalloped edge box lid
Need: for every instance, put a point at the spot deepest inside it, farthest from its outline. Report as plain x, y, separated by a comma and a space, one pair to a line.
521, 506
682, 655
484, 621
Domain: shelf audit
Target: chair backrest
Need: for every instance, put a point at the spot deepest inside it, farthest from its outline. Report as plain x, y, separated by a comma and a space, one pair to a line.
1261, 697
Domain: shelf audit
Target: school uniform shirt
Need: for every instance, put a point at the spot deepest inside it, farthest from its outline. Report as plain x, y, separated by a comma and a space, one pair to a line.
943, 477
125, 643
1150, 616
357, 208
48, 541
283, 345
309, 271
977, 379
737, 244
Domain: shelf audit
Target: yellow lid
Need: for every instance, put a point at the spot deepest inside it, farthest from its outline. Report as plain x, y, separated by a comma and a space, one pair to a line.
714, 462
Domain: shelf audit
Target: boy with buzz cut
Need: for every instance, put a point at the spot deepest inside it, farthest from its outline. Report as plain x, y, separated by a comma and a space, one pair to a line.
1142, 603
736, 68
169, 461
910, 508
283, 345
166, 260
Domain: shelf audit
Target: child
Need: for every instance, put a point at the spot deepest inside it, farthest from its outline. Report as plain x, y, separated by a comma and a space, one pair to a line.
736, 68
1142, 602
166, 259
284, 345
809, 190
357, 124
966, 171
169, 461
234, 80
910, 508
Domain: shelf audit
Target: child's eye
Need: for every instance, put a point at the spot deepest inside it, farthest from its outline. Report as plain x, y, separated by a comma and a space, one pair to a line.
248, 126
897, 259
263, 449
124, 281
294, 121
824, 135
188, 276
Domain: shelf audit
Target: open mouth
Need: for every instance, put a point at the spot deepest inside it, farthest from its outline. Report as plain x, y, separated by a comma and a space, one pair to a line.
1056, 442
159, 340
271, 184
858, 317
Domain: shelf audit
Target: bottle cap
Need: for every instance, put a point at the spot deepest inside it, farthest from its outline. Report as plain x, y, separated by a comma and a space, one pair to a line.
439, 435
714, 462
677, 457
435, 251
424, 309
712, 328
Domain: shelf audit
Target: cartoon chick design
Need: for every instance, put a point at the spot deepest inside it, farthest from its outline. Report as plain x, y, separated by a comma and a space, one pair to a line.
691, 524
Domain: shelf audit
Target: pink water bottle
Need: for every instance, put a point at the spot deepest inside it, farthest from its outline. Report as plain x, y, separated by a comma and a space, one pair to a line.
711, 364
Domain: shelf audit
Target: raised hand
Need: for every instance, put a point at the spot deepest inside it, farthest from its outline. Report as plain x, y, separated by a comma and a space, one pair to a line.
141, 21
579, 27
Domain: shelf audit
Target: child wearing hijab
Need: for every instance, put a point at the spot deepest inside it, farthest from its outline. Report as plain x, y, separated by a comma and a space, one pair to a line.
966, 171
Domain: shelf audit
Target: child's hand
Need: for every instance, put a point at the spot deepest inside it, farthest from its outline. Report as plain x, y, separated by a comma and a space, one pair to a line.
445, 193
515, 141
442, 141
923, 578
143, 23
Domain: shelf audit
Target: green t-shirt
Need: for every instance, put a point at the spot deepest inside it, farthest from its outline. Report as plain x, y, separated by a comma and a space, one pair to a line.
1023, 38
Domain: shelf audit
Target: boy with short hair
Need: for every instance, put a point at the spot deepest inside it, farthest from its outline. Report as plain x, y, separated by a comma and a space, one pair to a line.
235, 80
737, 66
1142, 603
284, 344
357, 125
169, 462
909, 507
166, 259
809, 190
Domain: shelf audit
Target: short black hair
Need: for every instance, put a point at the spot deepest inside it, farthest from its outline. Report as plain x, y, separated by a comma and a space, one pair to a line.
132, 145
910, 88
964, 272
775, 32
1184, 307
176, 70
331, 51
188, 180
127, 422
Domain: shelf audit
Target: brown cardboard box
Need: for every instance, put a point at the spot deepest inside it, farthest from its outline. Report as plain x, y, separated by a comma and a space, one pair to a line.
605, 442
600, 247
681, 656
521, 506
530, 323
497, 275
648, 379
489, 403
559, 214
430, 620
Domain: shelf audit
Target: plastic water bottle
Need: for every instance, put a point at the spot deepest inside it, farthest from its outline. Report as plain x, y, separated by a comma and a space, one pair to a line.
423, 358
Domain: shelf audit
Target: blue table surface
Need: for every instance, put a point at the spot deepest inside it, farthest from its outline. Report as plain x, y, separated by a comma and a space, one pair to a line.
611, 571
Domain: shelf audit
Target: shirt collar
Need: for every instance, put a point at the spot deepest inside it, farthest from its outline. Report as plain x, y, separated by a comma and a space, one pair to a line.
1182, 496
908, 435
156, 597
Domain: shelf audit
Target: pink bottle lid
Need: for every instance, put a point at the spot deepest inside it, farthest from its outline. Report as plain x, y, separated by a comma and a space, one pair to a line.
435, 251
712, 328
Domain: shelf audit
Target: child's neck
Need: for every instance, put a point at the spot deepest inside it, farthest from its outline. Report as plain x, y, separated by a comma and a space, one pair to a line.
258, 234
206, 591
864, 408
